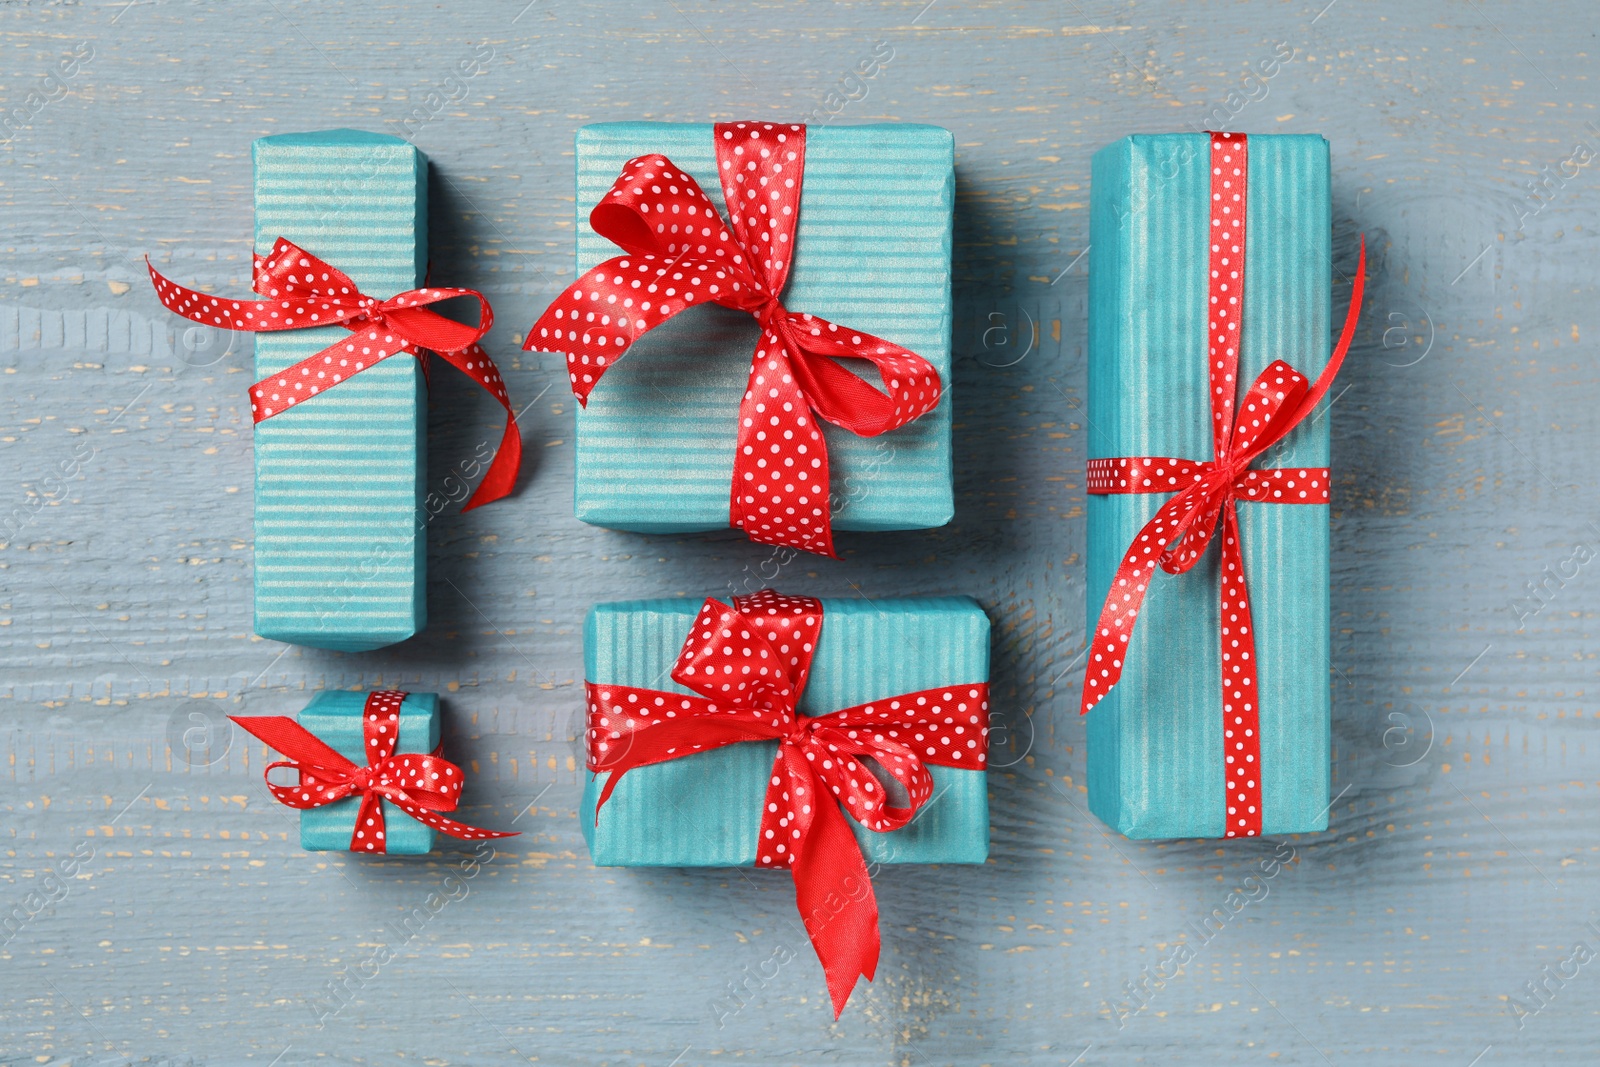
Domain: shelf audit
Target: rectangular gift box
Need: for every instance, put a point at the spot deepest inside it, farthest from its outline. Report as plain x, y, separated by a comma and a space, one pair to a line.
1155, 744
704, 810
335, 718
655, 444
340, 562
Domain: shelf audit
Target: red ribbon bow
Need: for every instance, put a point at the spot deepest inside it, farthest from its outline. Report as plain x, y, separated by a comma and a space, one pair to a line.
417, 784
680, 253
305, 292
749, 663
1208, 491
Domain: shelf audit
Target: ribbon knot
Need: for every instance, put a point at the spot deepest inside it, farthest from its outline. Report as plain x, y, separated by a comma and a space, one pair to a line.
1206, 493
748, 665
418, 784
680, 253
304, 292
773, 316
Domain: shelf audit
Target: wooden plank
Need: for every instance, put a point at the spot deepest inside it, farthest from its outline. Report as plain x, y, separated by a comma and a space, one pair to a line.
189, 926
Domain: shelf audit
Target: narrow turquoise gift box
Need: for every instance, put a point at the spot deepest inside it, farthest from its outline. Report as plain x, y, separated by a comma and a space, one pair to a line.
795, 734
340, 546
658, 440
368, 773
1208, 350
339, 561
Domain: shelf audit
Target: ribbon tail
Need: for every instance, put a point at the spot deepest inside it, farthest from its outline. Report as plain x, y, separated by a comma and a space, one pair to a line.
255, 316
371, 831
449, 826
1108, 644
503, 469
284, 735
1347, 333
837, 905
501, 478
612, 778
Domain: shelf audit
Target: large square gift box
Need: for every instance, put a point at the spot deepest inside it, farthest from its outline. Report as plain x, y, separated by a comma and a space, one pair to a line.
790, 733
1208, 355
864, 229
705, 810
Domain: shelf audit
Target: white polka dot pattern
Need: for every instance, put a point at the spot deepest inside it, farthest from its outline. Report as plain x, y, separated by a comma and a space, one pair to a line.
421, 785
1241, 719
1229, 175
305, 292
680, 253
1207, 493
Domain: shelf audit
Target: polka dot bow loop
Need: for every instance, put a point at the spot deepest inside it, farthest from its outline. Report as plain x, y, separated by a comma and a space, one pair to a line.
419, 785
748, 665
304, 292
1206, 494
680, 253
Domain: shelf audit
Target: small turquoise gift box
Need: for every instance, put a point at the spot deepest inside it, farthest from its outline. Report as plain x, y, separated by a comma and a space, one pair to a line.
339, 560
368, 774
662, 444
706, 809
1208, 350
336, 719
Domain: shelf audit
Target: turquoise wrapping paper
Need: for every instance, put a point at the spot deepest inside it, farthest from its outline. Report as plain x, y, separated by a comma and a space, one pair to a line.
335, 718
339, 559
705, 810
1155, 742
655, 444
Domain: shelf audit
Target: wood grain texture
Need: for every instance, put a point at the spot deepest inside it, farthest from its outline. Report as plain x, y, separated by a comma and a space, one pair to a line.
190, 928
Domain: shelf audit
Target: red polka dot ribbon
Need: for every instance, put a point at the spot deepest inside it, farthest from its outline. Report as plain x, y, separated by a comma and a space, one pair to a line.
679, 254
1205, 492
304, 292
748, 665
419, 785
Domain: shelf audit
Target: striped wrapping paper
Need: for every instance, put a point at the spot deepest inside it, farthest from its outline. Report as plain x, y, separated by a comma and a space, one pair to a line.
655, 444
340, 562
335, 717
704, 810
1155, 744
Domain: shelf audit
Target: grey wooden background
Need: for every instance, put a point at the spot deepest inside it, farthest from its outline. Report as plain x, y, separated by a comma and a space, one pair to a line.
189, 928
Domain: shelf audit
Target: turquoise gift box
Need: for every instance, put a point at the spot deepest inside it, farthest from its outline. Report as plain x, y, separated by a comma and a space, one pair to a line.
655, 444
704, 810
340, 560
335, 718
1155, 742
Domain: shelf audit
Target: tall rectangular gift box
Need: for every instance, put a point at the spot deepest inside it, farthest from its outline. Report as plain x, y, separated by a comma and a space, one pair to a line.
1160, 752
705, 809
655, 445
339, 562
